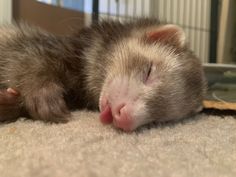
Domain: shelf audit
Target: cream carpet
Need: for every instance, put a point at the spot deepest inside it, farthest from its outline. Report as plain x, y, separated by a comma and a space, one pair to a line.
201, 146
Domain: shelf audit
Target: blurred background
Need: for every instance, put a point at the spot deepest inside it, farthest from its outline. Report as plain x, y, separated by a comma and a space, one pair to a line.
210, 25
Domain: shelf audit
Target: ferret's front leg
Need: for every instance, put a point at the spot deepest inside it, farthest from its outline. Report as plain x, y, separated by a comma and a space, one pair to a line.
10, 108
47, 103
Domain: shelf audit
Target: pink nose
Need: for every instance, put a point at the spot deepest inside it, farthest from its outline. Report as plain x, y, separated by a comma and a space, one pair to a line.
118, 115
122, 118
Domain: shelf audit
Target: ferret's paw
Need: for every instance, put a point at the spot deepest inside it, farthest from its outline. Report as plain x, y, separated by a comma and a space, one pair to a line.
9, 105
47, 104
9, 112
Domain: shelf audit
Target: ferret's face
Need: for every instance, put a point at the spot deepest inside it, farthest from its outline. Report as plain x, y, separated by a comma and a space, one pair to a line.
151, 81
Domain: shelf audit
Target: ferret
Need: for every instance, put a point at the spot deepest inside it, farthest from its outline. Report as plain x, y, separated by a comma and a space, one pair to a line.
134, 72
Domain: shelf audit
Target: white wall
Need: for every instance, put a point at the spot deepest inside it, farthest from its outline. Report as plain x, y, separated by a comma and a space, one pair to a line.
137, 8
5, 11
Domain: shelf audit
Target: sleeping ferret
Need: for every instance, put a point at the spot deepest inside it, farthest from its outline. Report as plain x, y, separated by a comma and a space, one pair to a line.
134, 72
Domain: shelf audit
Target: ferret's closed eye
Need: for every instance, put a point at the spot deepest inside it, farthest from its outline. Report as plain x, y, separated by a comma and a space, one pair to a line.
148, 72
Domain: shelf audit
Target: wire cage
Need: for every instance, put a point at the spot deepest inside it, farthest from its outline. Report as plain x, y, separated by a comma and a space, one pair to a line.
198, 18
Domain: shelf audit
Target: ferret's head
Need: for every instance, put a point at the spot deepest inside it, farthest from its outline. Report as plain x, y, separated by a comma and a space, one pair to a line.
151, 76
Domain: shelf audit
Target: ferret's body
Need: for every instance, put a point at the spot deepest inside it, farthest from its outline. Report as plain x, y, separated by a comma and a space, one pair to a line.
135, 72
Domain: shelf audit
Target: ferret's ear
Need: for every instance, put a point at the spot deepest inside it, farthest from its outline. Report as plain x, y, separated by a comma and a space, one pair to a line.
168, 34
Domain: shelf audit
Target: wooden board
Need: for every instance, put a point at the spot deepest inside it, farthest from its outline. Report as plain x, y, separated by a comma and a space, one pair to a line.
208, 104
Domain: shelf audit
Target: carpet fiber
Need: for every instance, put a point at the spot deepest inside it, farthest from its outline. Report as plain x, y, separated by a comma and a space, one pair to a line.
204, 145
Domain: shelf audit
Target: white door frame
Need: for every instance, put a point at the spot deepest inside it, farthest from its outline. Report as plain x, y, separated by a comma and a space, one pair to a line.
5, 11
226, 29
